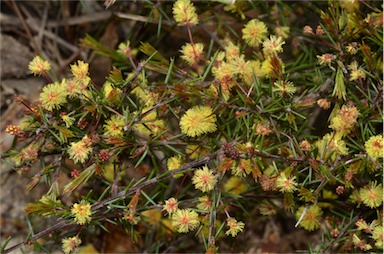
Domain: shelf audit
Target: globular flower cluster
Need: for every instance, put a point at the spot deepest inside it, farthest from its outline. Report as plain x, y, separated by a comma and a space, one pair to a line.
198, 120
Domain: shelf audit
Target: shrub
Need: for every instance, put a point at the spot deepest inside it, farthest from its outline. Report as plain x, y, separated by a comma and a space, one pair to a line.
253, 122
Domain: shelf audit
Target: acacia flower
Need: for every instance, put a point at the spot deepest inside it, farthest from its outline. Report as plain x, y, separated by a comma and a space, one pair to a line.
191, 54
286, 184
243, 168
70, 244
307, 30
361, 244
372, 194
254, 32
204, 203
80, 150
310, 221
80, 70
263, 129
234, 227
197, 121
114, 126
68, 120
184, 13
326, 59
38, 66
185, 220
232, 51
273, 45
374, 147
204, 179
170, 206
324, 103
82, 212
344, 119
53, 96
377, 235
305, 145
356, 71
150, 125
284, 87
175, 162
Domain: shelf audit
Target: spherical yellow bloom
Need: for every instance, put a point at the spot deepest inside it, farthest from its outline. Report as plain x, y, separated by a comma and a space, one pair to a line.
197, 121
70, 244
184, 12
171, 205
377, 235
374, 147
114, 127
285, 184
310, 221
185, 220
82, 212
204, 203
38, 66
234, 227
53, 96
372, 195
192, 54
243, 168
284, 87
204, 179
273, 45
80, 70
79, 151
254, 32
175, 162
344, 120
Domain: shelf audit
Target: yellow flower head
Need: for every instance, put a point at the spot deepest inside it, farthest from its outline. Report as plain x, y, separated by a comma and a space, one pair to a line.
80, 70
273, 45
184, 12
68, 120
170, 206
324, 103
53, 96
284, 87
79, 151
204, 179
344, 120
285, 184
70, 244
191, 54
243, 168
175, 162
361, 244
204, 203
372, 195
82, 212
254, 32
310, 221
377, 235
332, 143
232, 51
197, 121
234, 227
374, 147
38, 66
356, 71
326, 59
185, 220
114, 127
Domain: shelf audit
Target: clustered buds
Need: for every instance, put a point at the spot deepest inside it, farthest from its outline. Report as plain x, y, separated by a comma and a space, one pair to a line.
230, 151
